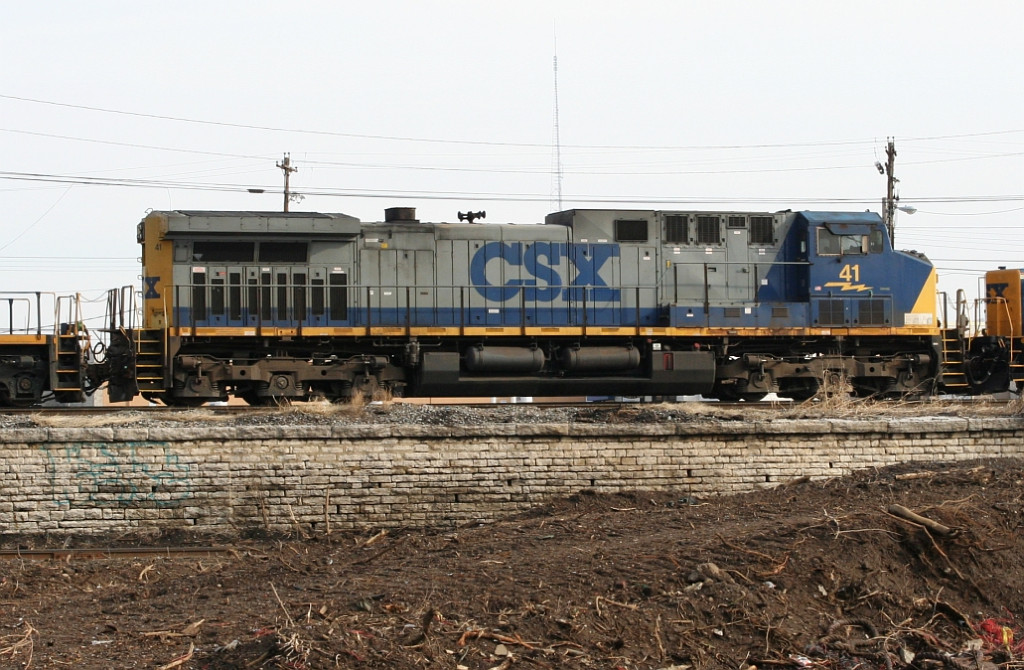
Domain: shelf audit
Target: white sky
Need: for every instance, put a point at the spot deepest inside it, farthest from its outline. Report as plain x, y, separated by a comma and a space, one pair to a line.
448, 106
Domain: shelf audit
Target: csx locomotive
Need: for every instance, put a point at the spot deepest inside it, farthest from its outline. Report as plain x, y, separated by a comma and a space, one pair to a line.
273, 307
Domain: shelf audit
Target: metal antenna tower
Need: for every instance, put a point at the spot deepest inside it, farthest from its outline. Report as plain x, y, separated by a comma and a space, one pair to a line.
558, 140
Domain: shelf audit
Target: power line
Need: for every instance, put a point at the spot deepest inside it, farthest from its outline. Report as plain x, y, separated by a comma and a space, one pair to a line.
34, 223
131, 145
398, 138
592, 170
212, 186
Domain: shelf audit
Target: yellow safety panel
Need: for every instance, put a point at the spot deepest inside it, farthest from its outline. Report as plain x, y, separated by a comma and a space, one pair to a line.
434, 331
1003, 302
22, 339
492, 331
553, 331
606, 330
157, 263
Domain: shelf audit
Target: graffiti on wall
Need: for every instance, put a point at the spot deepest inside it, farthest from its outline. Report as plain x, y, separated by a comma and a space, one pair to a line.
128, 474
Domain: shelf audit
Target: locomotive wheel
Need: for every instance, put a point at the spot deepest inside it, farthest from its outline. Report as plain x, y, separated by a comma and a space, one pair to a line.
800, 390
30, 388
835, 384
874, 389
736, 392
7, 401
254, 400
172, 401
69, 396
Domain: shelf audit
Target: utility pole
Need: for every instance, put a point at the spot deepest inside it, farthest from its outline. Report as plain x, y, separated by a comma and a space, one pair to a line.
891, 197
286, 166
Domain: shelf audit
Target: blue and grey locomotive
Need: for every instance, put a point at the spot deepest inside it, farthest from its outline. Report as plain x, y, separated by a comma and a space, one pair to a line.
270, 307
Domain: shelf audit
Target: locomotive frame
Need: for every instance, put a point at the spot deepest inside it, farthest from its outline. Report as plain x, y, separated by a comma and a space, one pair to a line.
272, 307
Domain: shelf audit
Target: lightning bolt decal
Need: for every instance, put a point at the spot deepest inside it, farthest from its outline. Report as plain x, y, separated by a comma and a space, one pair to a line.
848, 286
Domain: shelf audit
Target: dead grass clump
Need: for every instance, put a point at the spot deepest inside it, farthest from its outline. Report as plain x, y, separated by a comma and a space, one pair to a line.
354, 406
195, 416
847, 406
45, 420
61, 420
316, 408
383, 396
19, 645
704, 409
1016, 406
830, 406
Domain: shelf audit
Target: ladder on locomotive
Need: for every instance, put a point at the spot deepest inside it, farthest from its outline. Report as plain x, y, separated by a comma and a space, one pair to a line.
68, 350
1017, 363
150, 371
1014, 340
953, 372
147, 345
1015, 346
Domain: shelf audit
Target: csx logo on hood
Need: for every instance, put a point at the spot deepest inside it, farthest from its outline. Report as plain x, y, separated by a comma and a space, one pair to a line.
543, 262
996, 290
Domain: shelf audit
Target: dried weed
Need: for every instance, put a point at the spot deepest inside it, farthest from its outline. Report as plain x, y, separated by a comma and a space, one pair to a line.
192, 416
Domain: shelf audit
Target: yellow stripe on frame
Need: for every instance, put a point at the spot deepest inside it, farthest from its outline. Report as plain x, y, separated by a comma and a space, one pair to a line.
553, 331
22, 339
610, 330
492, 331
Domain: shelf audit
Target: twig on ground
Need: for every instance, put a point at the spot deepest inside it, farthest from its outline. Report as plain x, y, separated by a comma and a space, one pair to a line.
599, 599
504, 639
181, 660
934, 526
770, 559
283, 608
376, 537
188, 631
22, 642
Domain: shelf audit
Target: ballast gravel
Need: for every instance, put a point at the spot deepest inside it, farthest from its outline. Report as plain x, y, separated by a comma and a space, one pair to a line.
409, 413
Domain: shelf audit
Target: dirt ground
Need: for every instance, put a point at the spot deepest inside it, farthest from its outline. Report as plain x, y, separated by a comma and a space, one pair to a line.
812, 574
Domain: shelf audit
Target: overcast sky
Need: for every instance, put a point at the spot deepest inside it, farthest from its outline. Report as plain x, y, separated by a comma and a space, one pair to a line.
109, 109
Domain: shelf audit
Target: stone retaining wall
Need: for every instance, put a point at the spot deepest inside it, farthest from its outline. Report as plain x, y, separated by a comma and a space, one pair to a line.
230, 480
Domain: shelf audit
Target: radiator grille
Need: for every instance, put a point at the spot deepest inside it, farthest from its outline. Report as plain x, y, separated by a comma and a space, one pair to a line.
830, 313
871, 312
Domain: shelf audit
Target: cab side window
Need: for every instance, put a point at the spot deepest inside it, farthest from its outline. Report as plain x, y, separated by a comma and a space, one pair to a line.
875, 242
830, 244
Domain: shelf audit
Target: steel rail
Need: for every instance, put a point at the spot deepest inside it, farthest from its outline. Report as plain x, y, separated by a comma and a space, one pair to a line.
111, 552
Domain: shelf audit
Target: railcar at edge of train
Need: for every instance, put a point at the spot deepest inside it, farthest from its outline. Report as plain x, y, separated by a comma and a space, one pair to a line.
45, 349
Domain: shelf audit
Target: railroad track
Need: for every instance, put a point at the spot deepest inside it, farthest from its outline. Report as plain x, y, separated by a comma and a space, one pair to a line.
111, 552
555, 404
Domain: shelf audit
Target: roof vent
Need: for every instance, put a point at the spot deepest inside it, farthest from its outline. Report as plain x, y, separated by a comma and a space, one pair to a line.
400, 215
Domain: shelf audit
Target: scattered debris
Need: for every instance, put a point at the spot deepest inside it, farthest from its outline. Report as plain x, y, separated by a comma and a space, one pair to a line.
821, 575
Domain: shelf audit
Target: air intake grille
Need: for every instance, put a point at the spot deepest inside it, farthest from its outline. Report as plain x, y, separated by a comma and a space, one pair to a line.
709, 230
830, 313
871, 312
762, 230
